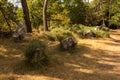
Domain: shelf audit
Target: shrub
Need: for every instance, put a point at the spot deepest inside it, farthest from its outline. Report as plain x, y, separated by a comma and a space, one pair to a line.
105, 29
99, 33
74, 28
34, 54
58, 33
80, 33
102, 33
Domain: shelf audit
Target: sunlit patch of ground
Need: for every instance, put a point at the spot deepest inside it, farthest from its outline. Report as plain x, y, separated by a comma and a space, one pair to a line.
93, 59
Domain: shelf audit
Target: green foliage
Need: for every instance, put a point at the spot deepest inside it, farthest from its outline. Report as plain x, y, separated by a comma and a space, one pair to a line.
80, 29
115, 14
101, 33
76, 10
105, 29
7, 14
115, 19
57, 14
19, 14
64, 12
58, 33
30, 52
35, 9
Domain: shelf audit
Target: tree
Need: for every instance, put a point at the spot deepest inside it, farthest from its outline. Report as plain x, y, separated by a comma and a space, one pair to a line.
26, 15
76, 10
114, 20
110, 6
6, 10
57, 13
45, 15
35, 9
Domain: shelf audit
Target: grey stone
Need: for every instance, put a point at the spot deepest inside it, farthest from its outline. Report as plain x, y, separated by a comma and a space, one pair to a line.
98, 28
88, 33
20, 31
38, 53
68, 43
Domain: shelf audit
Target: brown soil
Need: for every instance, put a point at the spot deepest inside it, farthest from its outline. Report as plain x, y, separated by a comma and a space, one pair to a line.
94, 59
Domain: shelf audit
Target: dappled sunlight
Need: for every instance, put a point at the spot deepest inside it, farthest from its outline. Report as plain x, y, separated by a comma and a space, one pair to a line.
73, 65
88, 56
85, 71
79, 68
59, 40
106, 58
7, 51
93, 59
109, 63
2, 49
35, 77
11, 76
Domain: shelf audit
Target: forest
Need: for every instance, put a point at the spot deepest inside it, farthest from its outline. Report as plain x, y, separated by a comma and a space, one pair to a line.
59, 39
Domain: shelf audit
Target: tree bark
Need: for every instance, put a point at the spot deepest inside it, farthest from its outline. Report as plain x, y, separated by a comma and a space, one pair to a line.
26, 16
110, 7
45, 15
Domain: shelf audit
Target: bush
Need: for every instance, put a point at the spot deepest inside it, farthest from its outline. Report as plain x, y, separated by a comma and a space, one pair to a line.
34, 54
61, 32
99, 33
102, 33
80, 33
57, 34
105, 29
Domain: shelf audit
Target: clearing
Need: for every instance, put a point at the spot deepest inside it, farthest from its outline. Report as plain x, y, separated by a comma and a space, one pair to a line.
94, 59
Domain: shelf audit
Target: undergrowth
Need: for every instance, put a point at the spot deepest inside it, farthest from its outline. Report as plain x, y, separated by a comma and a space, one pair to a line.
30, 55
59, 32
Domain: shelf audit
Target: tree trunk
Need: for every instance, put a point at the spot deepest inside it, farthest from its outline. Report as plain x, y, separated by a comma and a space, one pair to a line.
26, 16
45, 15
110, 7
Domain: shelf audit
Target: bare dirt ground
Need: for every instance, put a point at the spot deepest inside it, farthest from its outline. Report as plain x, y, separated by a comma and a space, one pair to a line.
94, 59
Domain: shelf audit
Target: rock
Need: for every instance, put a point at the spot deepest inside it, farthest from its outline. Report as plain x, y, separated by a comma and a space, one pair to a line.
39, 56
98, 28
68, 43
89, 33
20, 32
38, 53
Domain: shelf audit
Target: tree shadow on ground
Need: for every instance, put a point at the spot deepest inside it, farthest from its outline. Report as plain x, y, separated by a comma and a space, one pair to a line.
84, 64
115, 36
113, 44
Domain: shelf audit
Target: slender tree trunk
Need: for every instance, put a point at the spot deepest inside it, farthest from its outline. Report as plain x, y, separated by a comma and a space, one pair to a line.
26, 16
110, 6
88, 1
6, 20
45, 15
101, 9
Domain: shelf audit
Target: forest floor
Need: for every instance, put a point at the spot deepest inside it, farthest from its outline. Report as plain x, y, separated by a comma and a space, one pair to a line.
94, 59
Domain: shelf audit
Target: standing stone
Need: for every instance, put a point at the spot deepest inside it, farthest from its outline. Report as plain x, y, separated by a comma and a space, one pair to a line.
68, 43
20, 31
98, 28
88, 33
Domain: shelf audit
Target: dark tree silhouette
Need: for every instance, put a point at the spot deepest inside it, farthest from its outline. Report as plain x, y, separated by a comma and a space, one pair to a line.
26, 15
45, 15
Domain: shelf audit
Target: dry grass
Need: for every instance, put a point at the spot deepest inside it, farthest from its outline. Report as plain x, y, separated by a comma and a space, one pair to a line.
94, 59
